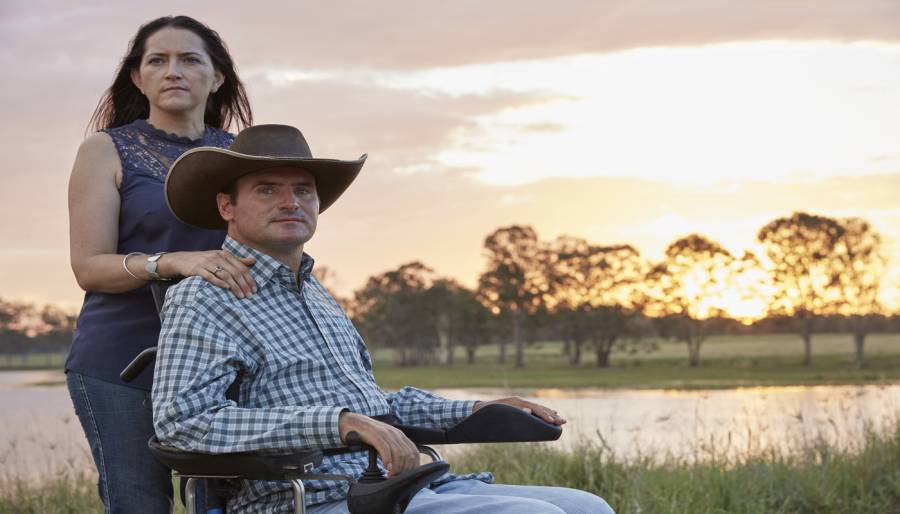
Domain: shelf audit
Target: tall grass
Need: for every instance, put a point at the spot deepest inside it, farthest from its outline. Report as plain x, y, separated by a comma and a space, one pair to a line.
818, 479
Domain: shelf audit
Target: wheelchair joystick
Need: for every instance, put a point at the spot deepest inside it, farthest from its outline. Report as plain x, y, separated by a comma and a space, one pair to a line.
373, 473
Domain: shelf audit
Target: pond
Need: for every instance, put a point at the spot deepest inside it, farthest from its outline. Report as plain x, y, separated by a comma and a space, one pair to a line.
40, 433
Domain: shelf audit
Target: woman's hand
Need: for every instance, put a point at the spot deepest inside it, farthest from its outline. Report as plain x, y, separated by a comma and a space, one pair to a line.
218, 267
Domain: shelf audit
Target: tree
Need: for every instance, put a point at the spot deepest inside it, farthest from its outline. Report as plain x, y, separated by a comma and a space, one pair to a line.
801, 250
687, 287
861, 263
592, 292
566, 268
510, 286
392, 311
460, 319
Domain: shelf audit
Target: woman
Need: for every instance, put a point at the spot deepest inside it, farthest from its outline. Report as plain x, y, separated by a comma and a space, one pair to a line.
176, 89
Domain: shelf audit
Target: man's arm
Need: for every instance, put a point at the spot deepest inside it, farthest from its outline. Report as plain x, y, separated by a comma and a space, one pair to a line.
199, 357
416, 407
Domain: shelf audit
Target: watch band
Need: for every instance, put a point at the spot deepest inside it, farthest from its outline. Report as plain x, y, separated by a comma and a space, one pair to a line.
151, 266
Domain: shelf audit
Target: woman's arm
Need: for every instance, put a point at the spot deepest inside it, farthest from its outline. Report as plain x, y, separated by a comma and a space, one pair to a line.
94, 219
94, 204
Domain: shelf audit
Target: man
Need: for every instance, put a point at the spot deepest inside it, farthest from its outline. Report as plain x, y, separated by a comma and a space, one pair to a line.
305, 373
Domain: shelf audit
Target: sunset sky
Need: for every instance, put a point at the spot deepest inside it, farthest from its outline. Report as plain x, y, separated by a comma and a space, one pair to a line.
619, 122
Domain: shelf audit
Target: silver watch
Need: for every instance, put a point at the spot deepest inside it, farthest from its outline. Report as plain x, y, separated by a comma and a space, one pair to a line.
150, 267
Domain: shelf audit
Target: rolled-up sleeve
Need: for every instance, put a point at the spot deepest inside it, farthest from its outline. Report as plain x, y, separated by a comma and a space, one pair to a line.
416, 407
199, 357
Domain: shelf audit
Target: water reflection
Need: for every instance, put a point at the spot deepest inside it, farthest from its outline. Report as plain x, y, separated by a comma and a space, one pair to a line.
41, 435
721, 423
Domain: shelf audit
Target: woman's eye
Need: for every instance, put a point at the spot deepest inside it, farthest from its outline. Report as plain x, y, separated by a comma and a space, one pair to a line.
154, 60
192, 60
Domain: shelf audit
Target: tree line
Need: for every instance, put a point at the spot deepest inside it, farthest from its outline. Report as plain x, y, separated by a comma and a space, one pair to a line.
26, 328
815, 273
600, 298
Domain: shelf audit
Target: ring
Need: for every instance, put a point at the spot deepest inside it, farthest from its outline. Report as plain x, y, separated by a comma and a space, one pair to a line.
217, 270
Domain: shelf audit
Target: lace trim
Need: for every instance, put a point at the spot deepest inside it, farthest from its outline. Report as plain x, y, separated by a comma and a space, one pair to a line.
147, 150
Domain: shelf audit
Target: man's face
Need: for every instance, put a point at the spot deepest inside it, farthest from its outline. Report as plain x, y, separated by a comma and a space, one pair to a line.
274, 210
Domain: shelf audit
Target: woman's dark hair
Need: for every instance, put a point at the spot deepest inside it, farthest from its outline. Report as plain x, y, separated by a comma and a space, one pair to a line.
123, 102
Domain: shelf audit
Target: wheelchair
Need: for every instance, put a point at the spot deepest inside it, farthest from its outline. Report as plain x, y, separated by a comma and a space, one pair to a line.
372, 492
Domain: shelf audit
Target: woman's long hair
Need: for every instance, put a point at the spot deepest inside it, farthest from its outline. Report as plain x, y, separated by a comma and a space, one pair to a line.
123, 102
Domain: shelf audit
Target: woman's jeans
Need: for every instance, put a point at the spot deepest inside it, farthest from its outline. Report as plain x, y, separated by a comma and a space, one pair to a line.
118, 422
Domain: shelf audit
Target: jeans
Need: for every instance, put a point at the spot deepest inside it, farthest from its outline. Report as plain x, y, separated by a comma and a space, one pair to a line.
476, 497
118, 421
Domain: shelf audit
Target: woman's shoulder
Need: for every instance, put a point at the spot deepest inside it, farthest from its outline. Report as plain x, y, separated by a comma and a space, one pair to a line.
98, 147
218, 137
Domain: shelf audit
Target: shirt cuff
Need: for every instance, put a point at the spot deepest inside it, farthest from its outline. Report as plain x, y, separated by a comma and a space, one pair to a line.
324, 431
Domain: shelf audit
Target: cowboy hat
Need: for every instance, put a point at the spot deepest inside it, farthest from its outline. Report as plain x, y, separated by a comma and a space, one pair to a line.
201, 173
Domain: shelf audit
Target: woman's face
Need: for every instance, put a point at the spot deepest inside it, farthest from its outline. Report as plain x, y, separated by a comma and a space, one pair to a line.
176, 74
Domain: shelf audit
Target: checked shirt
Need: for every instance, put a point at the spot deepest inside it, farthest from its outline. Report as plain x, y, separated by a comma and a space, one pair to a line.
301, 364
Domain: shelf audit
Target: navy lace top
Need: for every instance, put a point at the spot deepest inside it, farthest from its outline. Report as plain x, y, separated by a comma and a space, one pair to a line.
113, 328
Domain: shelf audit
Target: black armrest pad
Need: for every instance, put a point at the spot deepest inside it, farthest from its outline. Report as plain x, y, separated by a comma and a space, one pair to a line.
493, 423
138, 364
249, 465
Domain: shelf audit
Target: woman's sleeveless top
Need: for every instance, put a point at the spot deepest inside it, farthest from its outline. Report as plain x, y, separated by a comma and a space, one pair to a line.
113, 328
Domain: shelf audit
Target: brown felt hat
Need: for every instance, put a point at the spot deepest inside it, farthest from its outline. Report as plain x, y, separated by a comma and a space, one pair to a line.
201, 173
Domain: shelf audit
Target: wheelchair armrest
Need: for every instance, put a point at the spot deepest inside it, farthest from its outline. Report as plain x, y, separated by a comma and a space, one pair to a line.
492, 423
249, 465
134, 368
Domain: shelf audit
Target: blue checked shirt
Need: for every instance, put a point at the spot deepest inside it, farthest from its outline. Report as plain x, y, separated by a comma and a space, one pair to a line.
301, 363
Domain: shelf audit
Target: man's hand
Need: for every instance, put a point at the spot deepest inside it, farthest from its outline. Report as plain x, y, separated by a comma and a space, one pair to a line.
397, 452
545, 413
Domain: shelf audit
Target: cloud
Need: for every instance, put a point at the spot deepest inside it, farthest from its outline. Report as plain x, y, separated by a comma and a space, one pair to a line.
401, 128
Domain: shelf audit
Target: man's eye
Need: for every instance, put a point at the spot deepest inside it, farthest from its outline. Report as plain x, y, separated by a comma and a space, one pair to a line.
266, 190
302, 191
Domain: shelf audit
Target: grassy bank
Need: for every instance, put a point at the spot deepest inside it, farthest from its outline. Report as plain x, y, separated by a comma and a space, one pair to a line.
816, 480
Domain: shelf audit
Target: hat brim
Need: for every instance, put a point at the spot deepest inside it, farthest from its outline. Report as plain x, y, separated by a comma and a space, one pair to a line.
201, 173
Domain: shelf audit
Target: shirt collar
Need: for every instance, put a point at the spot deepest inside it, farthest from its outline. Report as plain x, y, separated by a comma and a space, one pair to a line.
267, 267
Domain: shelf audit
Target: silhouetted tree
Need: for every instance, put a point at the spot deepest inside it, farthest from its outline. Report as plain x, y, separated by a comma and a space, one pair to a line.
861, 263
511, 284
460, 319
685, 287
801, 249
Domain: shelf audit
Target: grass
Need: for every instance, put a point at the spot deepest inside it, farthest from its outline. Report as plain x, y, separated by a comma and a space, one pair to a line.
817, 479
12, 362
727, 362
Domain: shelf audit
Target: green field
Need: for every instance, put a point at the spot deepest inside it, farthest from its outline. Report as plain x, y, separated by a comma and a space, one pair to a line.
727, 361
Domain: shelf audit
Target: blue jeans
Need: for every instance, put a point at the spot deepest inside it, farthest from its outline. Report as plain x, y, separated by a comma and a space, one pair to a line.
118, 422
476, 497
